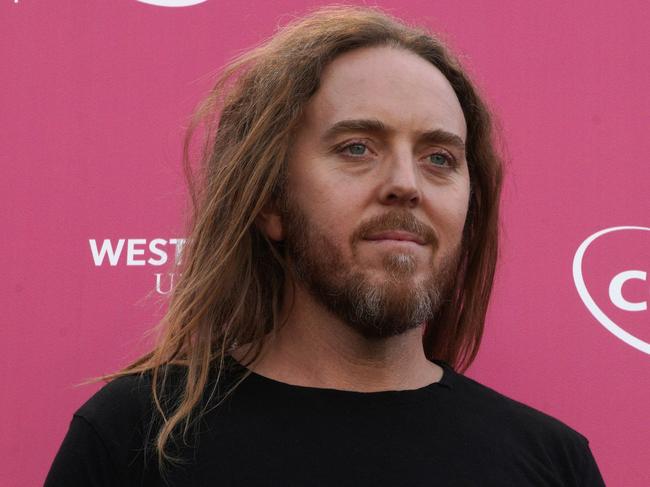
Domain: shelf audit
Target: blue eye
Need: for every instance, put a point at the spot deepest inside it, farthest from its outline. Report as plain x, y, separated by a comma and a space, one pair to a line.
439, 159
356, 149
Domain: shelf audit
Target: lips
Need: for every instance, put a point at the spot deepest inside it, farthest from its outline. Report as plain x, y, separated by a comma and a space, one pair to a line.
397, 235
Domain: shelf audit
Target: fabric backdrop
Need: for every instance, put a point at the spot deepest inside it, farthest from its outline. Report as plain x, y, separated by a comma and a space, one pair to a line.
96, 94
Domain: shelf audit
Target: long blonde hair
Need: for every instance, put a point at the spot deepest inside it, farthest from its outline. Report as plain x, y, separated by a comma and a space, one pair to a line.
232, 275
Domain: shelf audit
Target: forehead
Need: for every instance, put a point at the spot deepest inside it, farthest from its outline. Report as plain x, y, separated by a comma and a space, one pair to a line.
389, 84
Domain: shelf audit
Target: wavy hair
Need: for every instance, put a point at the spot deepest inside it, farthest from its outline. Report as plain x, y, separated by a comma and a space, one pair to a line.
233, 277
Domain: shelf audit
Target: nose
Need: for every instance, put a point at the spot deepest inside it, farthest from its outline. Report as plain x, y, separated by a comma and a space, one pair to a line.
400, 185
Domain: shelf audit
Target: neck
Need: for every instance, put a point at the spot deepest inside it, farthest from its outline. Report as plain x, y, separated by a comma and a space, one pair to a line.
316, 349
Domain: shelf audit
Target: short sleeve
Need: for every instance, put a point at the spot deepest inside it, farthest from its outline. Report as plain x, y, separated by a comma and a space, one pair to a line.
82, 459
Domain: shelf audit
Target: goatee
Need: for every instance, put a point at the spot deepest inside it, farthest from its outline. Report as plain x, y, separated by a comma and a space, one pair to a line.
375, 310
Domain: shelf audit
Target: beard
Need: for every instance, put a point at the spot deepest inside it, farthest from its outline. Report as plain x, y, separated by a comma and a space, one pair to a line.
374, 309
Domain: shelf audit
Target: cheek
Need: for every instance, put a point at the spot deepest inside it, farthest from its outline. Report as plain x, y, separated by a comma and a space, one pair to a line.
452, 214
460, 213
460, 207
461, 199
329, 202
330, 216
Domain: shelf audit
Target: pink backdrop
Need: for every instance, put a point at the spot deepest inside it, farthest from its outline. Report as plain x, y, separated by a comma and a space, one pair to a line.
94, 98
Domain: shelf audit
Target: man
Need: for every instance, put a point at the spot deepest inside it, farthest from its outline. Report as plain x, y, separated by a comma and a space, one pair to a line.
339, 268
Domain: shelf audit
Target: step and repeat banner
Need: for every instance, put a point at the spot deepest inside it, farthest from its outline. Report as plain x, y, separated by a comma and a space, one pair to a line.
95, 99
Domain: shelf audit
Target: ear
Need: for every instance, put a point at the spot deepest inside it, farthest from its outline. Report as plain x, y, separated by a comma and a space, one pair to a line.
269, 221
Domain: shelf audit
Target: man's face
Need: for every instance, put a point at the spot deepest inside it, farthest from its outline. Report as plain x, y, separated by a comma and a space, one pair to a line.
377, 191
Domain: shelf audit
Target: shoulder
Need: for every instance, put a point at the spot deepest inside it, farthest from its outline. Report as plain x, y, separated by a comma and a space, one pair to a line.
124, 399
503, 427
123, 411
109, 441
522, 426
496, 405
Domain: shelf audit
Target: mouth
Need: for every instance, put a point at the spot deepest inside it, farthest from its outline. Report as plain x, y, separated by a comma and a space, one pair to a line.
396, 236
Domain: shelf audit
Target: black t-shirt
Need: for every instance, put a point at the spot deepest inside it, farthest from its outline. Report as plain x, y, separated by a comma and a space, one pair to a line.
455, 432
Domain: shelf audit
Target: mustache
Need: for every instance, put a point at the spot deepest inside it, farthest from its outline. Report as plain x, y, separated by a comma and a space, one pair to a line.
395, 220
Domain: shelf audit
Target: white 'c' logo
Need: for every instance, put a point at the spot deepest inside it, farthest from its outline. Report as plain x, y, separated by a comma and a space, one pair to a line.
615, 293
172, 3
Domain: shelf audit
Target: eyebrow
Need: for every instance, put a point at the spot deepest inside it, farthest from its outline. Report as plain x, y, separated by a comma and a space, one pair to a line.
438, 136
